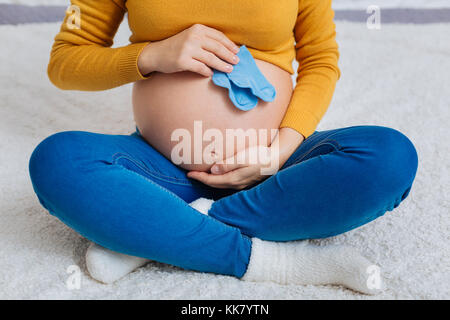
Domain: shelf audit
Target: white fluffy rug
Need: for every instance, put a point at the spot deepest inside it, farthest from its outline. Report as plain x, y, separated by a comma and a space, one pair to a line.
397, 76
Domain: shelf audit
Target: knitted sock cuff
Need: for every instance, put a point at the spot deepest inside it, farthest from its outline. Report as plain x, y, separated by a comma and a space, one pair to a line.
267, 262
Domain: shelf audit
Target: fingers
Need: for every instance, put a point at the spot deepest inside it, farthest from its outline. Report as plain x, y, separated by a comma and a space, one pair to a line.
241, 159
213, 48
227, 166
222, 38
212, 61
209, 179
199, 67
225, 181
220, 51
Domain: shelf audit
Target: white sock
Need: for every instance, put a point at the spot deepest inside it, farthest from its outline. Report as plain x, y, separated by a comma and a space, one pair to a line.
202, 205
108, 266
299, 262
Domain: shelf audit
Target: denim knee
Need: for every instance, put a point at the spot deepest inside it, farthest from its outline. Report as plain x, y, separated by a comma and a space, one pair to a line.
46, 161
395, 157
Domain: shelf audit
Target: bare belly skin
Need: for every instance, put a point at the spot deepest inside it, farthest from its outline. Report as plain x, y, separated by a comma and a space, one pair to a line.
166, 102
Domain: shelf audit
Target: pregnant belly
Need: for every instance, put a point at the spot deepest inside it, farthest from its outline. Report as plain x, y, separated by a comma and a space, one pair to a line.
184, 116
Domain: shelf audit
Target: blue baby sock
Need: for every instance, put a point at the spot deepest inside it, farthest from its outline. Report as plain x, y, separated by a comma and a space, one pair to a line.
242, 98
245, 83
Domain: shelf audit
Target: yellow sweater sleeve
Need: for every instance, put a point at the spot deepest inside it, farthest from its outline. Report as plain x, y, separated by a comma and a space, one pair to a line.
318, 72
82, 58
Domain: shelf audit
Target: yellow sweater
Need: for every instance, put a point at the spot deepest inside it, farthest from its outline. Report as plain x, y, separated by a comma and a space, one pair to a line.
276, 31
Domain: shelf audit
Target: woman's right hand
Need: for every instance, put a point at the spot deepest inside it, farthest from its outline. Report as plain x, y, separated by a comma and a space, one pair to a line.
197, 49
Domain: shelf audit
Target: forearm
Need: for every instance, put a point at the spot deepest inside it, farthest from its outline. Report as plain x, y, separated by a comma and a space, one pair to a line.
317, 54
92, 67
285, 144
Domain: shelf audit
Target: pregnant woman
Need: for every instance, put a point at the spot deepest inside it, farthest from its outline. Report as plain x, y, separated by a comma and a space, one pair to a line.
126, 194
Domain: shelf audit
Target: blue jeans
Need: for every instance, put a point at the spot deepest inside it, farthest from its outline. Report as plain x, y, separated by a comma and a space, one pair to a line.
118, 191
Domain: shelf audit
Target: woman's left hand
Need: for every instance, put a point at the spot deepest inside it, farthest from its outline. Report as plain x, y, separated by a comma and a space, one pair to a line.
251, 165
242, 170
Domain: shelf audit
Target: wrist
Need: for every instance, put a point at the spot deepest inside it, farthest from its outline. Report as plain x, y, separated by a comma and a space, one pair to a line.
146, 60
287, 141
